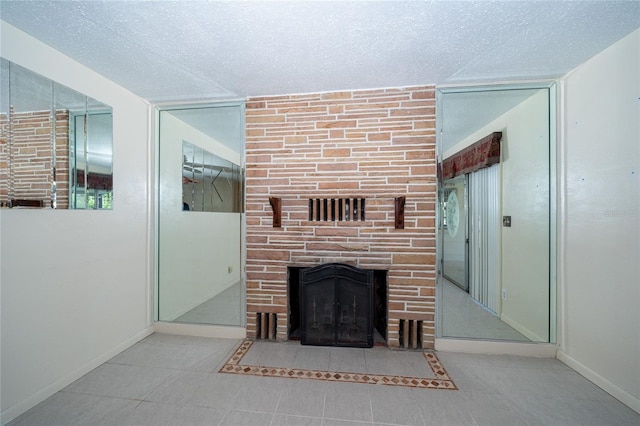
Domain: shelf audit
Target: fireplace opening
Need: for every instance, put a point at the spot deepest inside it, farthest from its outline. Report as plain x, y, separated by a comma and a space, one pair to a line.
337, 305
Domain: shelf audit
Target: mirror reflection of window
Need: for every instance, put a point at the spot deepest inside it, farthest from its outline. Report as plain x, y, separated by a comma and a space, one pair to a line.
92, 181
55, 144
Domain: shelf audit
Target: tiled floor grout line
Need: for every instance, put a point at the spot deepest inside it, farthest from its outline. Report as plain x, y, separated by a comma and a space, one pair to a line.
364, 356
324, 408
277, 406
373, 420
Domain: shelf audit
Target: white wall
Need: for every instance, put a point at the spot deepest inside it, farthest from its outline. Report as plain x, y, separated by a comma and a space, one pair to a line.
525, 197
600, 272
195, 248
75, 284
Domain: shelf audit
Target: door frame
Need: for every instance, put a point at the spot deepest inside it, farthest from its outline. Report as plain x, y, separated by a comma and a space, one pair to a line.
208, 330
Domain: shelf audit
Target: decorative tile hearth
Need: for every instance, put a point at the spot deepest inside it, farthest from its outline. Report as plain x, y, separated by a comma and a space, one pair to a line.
440, 380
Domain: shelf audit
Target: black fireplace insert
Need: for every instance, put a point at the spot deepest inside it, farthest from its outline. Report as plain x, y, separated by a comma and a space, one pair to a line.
336, 306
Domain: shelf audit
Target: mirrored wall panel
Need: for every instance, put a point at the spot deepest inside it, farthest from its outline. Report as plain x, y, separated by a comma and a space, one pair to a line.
200, 215
56, 145
209, 182
496, 233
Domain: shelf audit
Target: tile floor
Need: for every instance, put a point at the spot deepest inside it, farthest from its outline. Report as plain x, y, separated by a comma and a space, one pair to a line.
225, 308
175, 380
463, 317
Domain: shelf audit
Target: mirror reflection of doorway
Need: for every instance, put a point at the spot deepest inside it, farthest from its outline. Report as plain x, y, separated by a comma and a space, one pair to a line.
454, 235
495, 229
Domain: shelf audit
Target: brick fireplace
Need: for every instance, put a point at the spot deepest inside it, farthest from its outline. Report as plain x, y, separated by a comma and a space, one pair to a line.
344, 177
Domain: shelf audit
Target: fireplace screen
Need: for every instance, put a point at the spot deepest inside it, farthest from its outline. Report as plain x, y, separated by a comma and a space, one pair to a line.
336, 302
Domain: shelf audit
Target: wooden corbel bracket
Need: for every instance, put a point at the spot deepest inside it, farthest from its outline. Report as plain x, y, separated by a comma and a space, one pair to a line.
276, 206
399, 203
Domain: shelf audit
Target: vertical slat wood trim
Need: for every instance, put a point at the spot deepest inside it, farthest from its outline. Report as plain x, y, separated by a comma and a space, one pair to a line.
272, 326
258, 324
414, 334
355, 209
264, 325
405, 333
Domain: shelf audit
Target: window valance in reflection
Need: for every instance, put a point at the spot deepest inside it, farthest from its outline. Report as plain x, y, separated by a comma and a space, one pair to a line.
483, 153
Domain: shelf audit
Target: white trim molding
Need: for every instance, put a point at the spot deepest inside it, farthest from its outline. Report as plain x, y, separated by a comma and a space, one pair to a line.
609, 387
200, 330
537, 350
23, 406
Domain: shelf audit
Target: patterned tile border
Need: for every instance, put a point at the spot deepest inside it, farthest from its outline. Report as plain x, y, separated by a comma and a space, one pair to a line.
441, 381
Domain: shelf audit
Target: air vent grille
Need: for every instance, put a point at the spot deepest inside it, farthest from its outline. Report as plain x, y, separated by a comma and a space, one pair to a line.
336, 209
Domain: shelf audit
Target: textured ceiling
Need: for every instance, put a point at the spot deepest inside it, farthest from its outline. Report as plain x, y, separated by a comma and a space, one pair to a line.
193, 50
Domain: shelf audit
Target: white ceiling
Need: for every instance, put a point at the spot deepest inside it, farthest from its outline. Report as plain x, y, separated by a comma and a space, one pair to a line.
194, 50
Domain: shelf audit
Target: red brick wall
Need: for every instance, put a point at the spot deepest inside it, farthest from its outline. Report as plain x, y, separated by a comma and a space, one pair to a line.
372, 144
29, 175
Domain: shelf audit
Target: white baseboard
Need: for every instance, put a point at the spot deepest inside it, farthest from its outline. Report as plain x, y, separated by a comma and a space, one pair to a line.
522, 329
538, 350
199, 301
201, 330
614, 390
35, 399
